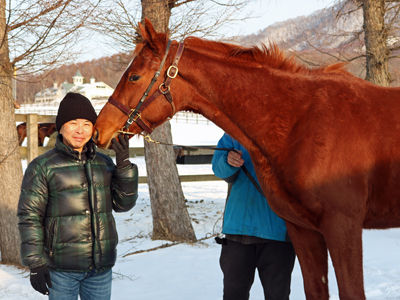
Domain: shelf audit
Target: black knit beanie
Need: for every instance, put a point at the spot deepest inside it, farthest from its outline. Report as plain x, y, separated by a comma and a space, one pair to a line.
75, 106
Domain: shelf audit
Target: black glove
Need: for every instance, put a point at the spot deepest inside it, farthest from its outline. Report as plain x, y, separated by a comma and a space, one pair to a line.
40, 280
121, 148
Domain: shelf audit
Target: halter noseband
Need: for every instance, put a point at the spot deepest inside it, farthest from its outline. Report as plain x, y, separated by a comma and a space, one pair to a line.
134, 114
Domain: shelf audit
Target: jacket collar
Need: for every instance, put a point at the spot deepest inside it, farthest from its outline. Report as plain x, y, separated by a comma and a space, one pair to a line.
89, 149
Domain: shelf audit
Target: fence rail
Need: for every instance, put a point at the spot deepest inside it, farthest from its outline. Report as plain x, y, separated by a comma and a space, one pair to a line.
49, 114
184, 156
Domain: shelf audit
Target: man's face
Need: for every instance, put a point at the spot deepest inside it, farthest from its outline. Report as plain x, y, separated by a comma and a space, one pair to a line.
76, 133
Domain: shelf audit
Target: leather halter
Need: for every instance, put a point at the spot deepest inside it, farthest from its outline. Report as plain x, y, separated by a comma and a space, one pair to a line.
134, 114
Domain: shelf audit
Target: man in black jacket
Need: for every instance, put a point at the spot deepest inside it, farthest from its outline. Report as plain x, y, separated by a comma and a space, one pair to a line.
68, 233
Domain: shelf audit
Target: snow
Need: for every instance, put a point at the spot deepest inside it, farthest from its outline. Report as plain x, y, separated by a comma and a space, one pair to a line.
191, 271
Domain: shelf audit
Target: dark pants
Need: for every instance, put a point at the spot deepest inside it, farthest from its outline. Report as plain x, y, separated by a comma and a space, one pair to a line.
274, 261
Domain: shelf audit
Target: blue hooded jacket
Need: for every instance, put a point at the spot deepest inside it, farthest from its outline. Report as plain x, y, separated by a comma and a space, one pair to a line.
247, 212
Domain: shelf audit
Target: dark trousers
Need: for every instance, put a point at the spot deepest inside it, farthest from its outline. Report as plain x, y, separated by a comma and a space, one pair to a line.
274, 261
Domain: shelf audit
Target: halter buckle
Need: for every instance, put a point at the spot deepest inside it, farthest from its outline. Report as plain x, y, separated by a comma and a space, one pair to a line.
174, 70
138, 116
131, 120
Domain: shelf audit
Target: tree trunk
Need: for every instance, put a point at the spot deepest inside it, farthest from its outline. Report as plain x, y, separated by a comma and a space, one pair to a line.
171, 219
10, 160
377, 52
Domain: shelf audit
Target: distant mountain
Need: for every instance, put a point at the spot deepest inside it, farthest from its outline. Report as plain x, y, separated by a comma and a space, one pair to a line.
317, 39
321, 29
322, 38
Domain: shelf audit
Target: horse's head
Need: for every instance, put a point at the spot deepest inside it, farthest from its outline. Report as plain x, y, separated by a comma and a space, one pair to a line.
141, 101
45, 130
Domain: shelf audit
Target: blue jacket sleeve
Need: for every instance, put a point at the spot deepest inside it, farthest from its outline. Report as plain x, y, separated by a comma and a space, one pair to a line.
220, 166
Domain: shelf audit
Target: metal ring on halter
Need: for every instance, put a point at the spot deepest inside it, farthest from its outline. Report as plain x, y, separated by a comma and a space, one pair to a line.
164, 89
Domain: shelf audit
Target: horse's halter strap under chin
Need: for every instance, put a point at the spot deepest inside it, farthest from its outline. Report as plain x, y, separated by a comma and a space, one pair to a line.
134, 115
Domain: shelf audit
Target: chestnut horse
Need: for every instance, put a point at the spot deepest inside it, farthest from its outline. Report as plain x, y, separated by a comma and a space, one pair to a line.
44, 130
324, 142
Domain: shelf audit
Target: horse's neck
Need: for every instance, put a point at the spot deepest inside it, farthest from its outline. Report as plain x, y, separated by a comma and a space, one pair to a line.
249, 103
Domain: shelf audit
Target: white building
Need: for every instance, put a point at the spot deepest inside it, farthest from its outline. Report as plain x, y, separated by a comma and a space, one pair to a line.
47, 100
93, 90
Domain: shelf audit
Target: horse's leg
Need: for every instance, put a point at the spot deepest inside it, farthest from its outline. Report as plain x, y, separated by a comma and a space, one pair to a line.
343, 237
41, 136
20, 140
20, 133
312, 254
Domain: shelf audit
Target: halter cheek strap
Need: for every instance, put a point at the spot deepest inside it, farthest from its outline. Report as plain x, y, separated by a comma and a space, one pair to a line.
134, 115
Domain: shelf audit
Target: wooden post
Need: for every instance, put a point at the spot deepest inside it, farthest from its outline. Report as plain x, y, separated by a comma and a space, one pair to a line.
32, 135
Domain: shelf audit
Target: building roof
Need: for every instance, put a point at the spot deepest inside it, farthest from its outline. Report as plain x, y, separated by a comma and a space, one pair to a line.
78, 73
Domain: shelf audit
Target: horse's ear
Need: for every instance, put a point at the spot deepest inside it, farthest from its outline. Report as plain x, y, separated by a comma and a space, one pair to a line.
150, 36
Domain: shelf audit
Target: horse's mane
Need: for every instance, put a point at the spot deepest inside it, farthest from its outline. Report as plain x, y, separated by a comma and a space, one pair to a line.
271, 56
276, 58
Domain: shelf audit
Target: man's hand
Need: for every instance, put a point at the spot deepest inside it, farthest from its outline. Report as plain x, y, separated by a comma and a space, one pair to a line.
40, 280
121, 148
235, 158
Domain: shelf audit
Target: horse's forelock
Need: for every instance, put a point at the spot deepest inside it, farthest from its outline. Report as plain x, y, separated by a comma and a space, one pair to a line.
157, 45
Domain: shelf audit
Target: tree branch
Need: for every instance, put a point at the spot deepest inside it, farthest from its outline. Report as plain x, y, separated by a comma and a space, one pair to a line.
58, 4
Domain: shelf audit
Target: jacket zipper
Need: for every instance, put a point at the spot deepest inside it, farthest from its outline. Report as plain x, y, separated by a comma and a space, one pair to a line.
93, 209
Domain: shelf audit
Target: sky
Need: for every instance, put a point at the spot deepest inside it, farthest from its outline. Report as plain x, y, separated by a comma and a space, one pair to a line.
262, 12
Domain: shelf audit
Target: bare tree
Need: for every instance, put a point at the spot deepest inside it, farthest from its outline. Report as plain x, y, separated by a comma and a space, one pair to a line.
187, 17
34, 35
377, 39
380, 21
170, 217
10, 166
42, 33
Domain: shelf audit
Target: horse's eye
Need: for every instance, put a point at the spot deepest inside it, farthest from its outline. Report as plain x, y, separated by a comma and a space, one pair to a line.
134, 77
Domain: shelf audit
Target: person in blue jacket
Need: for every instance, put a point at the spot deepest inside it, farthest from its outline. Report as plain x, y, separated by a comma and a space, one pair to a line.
255, 237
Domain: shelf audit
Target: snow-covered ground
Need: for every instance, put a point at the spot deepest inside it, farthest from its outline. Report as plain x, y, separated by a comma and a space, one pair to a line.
191, 271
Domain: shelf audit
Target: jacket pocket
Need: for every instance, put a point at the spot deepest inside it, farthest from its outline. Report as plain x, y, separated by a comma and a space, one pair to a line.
51, 238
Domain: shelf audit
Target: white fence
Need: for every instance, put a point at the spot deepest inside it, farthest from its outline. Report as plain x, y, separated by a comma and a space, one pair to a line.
192, 155
51, 110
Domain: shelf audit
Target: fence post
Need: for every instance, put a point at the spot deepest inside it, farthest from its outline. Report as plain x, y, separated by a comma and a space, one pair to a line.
32, 135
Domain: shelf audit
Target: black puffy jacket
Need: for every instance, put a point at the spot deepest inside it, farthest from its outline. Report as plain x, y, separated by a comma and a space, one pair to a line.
65, 208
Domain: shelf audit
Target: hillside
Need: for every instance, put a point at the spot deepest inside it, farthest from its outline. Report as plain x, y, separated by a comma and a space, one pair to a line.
320, 29
322, 38
317, 39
